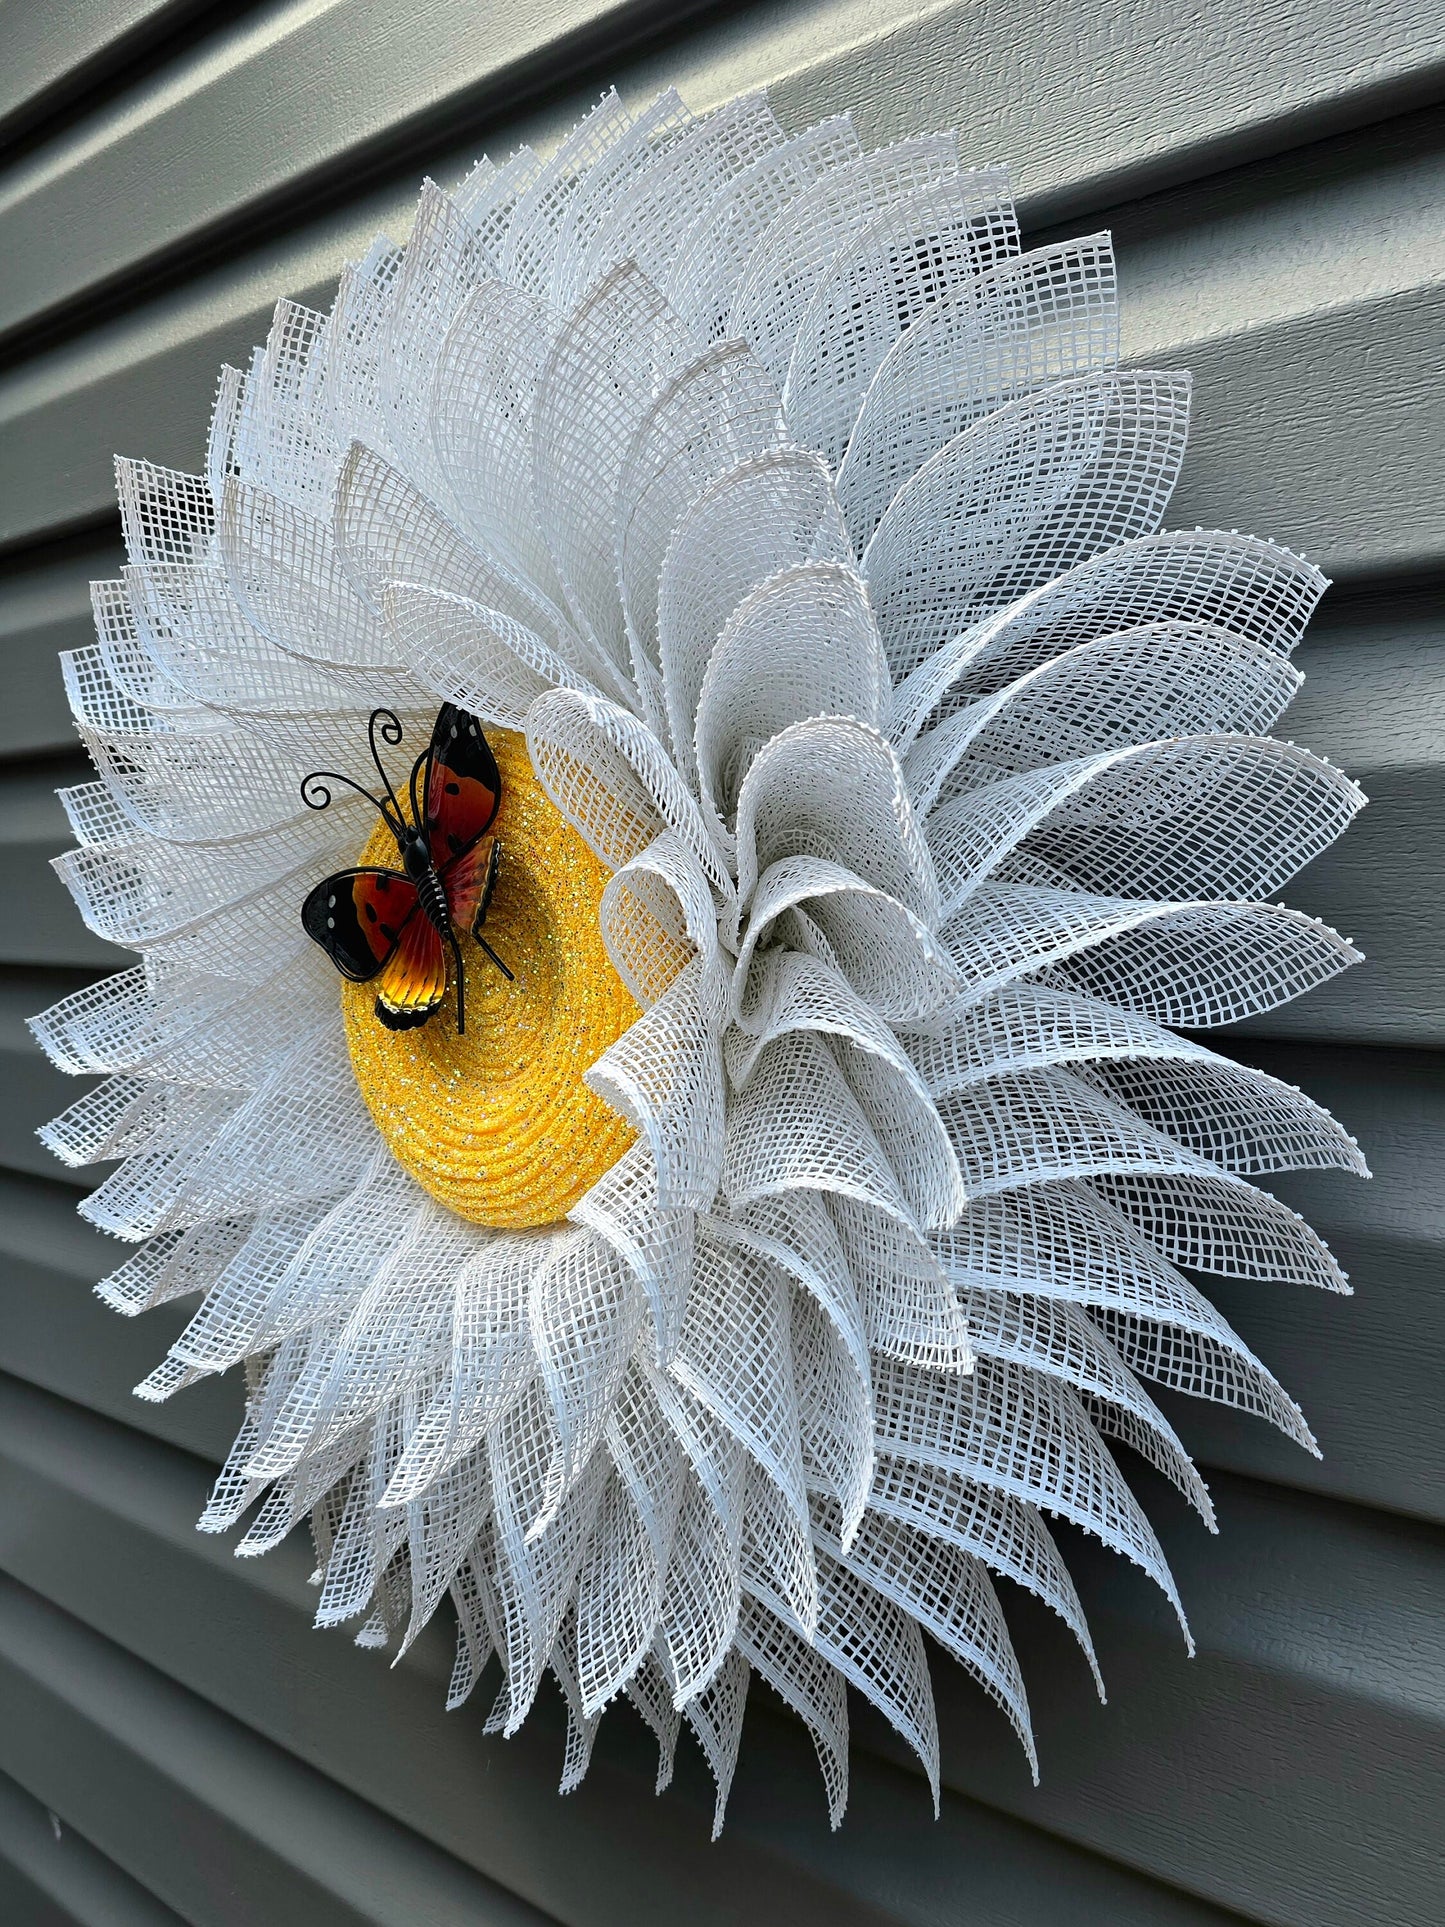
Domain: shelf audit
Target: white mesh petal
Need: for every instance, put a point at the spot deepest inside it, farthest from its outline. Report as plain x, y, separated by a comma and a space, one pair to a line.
795, 251
607, 363
482, 390
981, 342
712, 257
720, 410
802, 644
758, 519
897, 268
1044, 483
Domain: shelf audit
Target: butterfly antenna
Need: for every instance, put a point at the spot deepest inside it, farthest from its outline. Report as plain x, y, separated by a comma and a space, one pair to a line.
417, 808
316, 796
387, 724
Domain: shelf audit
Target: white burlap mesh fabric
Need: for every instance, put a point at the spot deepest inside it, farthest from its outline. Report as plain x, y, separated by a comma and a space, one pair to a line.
811, 531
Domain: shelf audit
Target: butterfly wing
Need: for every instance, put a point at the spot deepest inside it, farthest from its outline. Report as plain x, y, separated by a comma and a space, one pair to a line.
463, 785
469, 880
413, 982
359, 917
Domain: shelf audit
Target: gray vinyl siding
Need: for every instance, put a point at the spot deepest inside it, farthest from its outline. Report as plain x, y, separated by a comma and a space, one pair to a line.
175, 1742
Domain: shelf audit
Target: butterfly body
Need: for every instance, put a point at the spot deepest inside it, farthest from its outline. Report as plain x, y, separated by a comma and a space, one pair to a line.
401, 927
416, 861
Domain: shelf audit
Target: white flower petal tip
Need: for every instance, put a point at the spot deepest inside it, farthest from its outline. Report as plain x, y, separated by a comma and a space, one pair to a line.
810, 533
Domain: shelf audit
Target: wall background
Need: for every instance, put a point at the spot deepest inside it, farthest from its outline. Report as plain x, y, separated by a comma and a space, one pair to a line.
174, 1741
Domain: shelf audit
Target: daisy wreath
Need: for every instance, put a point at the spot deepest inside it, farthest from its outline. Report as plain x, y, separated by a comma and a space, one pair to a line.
883, 794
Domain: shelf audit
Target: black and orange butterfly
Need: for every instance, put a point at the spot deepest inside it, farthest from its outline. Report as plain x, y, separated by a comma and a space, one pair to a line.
398, 926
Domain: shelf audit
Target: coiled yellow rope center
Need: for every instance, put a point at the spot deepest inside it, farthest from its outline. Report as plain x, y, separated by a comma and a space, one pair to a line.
498, 1124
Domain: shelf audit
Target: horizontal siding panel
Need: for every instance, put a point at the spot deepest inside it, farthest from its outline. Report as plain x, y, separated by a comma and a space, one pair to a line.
608, 1854
1378, 886
1297, 1770
143, 384
41, 48
1312, 320
51, 1877
1328, 226
289, 96
41, 925
222, 1826
45, 607
1129, 100
34, 1090
1374, 703
1323, 433
55, 1333
1292, 1768
295, 98
1365, 1368
53, 51
22, 1903
984, 1868
1374, 691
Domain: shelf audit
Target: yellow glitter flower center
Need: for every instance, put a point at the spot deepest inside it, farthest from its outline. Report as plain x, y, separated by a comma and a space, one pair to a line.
498, 1124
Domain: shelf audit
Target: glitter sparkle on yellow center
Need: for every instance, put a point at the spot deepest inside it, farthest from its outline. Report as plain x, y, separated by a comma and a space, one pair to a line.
498, 1124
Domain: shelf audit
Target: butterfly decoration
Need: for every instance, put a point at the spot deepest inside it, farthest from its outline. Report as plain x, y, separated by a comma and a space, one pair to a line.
400, 927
